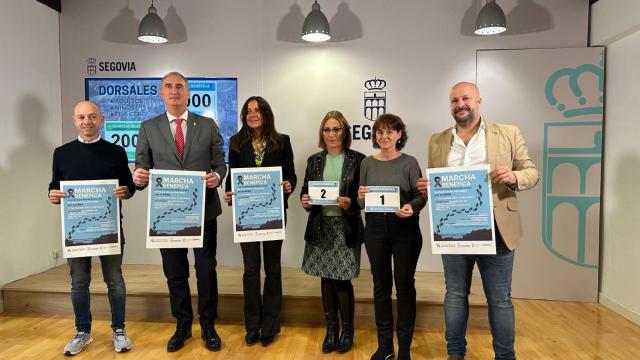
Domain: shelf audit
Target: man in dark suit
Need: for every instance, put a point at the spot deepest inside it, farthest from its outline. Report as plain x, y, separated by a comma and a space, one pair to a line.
181, 140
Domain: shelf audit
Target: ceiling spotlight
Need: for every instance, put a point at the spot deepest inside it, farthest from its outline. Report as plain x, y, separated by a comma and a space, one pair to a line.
316, 26
152, 29
491, 20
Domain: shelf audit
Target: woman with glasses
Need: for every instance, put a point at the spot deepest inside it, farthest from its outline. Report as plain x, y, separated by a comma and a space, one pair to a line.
259, 144
334, 233
393, 237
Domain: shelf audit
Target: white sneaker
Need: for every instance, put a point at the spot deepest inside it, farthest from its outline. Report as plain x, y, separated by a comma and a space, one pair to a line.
121, 341
78, 343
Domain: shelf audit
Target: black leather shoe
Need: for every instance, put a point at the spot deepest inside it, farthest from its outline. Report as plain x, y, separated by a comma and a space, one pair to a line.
383, 354
177, 340
251, 338
266, 340
211, 339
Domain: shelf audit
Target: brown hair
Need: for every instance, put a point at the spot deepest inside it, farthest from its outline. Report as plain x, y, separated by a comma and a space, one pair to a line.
392, 122
269, 133
346, 129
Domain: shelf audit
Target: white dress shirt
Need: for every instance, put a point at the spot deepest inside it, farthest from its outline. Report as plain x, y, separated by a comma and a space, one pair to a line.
90, 141
184, 127
173, 124
473, 153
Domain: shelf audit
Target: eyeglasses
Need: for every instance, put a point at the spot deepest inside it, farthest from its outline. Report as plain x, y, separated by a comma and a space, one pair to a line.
328, 131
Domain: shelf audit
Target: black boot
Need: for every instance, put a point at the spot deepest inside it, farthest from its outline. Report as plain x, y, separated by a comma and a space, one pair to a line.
346, 303
331, 316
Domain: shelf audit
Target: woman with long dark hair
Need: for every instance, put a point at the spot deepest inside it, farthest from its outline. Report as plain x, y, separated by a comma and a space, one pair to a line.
259, 144
334, 233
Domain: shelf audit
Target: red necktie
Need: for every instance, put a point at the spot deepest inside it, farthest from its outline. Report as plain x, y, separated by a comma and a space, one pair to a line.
179, 137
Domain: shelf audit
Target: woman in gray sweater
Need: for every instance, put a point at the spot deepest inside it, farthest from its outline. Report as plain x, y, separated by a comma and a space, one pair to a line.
393, 236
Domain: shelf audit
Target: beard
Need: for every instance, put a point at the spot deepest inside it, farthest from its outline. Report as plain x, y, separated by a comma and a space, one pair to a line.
463, 121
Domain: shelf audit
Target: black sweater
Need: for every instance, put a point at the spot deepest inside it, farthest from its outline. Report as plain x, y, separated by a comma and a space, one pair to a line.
101, 160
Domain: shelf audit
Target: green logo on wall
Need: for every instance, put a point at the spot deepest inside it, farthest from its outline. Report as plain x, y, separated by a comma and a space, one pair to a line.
580, 103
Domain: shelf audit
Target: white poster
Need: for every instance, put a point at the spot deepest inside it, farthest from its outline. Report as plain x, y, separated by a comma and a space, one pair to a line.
175, 215
461, 210
258, 204
90, 214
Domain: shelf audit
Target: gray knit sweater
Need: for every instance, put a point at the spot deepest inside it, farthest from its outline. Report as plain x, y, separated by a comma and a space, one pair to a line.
402, 171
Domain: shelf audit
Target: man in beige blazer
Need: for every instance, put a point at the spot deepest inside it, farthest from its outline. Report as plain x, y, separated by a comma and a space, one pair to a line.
474, 141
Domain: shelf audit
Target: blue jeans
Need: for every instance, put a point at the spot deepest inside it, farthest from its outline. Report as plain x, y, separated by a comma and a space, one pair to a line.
81, 278
495, 271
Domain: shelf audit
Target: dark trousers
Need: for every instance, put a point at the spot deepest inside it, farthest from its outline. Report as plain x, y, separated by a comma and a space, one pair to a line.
176, 269
262, 312
389, 238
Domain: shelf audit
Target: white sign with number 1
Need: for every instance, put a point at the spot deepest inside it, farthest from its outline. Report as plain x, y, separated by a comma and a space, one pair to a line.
382, 199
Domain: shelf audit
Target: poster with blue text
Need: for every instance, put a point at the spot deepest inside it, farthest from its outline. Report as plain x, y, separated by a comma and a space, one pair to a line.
258, 204
90, 218
126, 102
461, 210
175, 214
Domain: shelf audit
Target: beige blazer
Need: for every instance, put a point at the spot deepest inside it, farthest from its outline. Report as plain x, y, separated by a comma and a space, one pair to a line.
505, 146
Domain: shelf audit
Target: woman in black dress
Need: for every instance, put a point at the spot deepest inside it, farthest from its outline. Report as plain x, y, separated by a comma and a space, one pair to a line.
259, 144
334, 233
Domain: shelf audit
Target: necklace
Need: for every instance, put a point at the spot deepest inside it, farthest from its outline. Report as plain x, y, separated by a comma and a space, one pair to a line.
258, 150
258, 144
